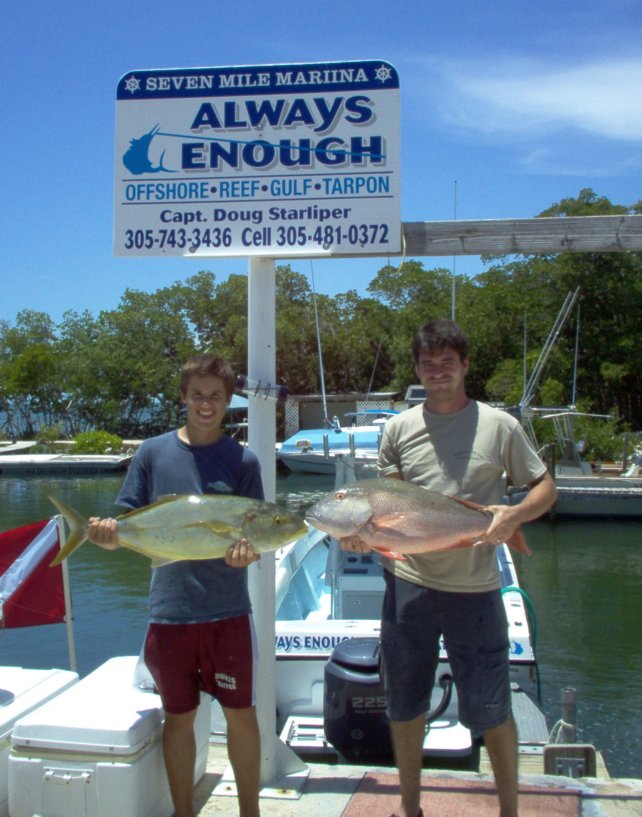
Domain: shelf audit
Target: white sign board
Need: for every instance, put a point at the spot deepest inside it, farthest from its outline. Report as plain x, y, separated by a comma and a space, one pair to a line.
270, 160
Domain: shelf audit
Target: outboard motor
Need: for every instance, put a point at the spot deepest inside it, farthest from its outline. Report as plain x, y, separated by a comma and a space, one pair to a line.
354, 701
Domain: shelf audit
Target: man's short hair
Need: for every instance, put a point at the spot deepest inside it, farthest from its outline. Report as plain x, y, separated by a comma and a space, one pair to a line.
438, 335
207, 365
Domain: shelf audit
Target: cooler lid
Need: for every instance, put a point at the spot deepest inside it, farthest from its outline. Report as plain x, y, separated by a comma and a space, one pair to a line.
103, 713
22, 690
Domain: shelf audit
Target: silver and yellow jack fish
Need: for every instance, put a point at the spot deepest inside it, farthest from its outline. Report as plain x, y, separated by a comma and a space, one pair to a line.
177, 528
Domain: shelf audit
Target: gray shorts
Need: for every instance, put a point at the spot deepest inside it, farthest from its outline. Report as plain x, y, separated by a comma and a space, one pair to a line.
475, 632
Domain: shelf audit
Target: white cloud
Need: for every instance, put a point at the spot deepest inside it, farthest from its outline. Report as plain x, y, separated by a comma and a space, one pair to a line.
522, 97
563, 160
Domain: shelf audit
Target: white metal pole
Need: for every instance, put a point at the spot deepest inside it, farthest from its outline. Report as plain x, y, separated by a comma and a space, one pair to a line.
276, 758
71, 644
261, 361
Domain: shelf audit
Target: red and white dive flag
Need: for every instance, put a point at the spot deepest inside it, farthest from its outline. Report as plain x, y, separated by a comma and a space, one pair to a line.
31, 592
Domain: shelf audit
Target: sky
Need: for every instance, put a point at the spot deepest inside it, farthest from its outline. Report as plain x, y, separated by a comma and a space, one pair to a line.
506, 108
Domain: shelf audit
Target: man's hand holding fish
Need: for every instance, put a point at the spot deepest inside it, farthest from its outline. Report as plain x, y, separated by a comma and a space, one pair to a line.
103, 532
503, 526
241, 554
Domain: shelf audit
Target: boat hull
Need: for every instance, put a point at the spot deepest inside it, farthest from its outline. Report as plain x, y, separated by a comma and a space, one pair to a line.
599, 502
325, 596
313, 462
62, 463
598, 496
593, 497
313, 451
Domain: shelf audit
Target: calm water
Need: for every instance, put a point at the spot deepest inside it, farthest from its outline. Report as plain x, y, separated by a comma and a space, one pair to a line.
584, 582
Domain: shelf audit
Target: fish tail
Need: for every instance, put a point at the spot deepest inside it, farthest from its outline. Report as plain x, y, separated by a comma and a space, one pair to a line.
518, 542
77, 530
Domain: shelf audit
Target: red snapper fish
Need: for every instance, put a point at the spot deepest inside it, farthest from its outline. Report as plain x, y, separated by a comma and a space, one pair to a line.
395, 517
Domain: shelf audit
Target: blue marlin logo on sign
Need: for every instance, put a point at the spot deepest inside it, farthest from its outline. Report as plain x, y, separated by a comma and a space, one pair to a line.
136, 158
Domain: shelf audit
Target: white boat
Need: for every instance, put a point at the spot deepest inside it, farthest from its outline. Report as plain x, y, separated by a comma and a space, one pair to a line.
592, 495
63, 463
14, 448
327, 625
581, 491
326, 598
313, 450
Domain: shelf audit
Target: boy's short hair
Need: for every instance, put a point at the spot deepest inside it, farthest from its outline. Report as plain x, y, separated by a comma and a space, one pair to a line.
438, 335
207, 365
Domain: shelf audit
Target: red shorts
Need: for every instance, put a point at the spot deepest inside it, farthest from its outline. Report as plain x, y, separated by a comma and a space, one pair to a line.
216, 656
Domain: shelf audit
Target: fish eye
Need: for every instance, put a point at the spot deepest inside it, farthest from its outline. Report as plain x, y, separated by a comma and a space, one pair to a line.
340, 495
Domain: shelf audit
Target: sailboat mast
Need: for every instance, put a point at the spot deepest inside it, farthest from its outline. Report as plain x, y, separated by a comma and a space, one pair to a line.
453, 282
576, 355
319, 352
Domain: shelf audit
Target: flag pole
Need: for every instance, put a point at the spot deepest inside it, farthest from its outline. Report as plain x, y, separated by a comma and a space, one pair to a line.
71, 646
277, 758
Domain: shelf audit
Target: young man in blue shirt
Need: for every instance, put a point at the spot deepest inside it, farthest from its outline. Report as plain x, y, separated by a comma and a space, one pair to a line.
201, 633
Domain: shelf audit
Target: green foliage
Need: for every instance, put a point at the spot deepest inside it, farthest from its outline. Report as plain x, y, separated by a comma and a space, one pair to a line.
411, 296
118, 370
504, 385
586, 204
97, 442
49, 435
552, 393
602, 438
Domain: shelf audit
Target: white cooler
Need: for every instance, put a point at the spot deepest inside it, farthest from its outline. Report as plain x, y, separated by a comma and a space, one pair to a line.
21, 691
95, 750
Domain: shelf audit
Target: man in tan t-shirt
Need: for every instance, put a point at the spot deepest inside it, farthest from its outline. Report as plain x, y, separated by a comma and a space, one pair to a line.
463, 448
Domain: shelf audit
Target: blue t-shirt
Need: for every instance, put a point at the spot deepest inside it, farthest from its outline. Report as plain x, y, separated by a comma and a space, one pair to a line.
198, 590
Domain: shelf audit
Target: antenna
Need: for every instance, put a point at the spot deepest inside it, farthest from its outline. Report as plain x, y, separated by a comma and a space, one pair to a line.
453, 279
563, 314
575, 356
320, 353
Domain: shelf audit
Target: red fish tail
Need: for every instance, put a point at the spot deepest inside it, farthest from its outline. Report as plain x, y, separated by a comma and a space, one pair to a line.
518, 542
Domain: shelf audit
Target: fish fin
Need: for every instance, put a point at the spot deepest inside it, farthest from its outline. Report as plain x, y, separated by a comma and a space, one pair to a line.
518, 542
468, 503
158, 562
217, 528
390, 554
391, 521
466, 542
77, 530
162, 500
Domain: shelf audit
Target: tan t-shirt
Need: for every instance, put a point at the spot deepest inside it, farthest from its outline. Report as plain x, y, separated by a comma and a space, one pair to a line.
463, 454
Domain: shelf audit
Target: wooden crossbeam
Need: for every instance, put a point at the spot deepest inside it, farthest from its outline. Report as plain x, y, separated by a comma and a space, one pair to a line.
531, 236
